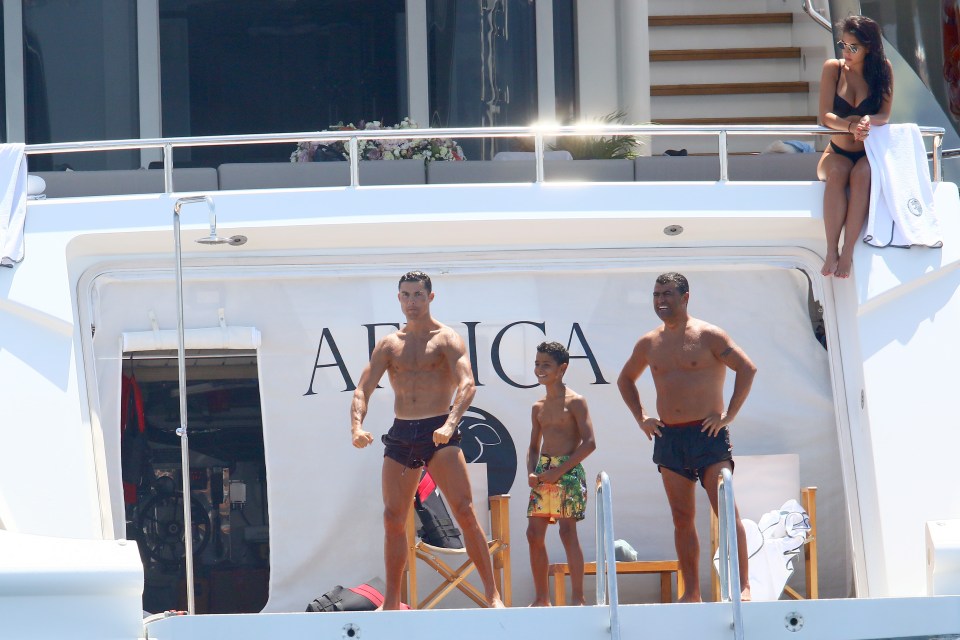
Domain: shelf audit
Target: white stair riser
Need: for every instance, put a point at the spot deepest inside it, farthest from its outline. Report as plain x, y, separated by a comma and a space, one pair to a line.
723, 71
720, 36
696, 7
766, 104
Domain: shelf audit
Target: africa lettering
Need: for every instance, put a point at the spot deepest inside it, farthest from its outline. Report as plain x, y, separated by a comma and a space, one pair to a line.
329, 354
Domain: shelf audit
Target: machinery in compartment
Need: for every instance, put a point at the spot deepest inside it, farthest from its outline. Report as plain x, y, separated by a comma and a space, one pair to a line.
228, 502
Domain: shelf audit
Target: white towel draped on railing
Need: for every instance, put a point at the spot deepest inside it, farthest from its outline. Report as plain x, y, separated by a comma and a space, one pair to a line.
901, 196
13, 202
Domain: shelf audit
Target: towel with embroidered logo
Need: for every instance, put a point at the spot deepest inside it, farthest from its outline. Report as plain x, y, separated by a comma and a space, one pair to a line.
901, 210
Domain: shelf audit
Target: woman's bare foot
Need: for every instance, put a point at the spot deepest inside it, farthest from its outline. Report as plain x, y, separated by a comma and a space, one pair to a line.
745, 595
540, 603
844, 266
496, 602
830, 264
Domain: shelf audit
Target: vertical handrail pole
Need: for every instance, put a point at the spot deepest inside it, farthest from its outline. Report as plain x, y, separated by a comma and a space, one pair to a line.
184, 444
182, 389
729, 550
724, 564
601, 549
606, 570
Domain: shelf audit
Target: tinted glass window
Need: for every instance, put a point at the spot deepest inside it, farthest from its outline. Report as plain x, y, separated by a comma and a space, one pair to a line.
268, 66
80, 68
483, 66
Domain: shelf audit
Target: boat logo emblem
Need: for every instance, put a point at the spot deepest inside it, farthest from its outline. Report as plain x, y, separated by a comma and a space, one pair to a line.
915, 207
486, 439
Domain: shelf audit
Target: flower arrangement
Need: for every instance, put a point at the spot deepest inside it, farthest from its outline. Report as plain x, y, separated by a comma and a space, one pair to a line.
426, 149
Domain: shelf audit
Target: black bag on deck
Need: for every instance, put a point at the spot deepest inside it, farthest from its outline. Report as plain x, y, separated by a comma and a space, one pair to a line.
365, 597
436, 526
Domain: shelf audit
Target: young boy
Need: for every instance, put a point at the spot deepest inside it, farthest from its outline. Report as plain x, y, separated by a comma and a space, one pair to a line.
561, 437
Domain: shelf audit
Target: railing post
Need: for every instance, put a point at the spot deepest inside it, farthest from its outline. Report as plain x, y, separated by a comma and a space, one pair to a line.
937, 158
722, 152
168, 168
607, 593
538, 152
354, 160
729, 551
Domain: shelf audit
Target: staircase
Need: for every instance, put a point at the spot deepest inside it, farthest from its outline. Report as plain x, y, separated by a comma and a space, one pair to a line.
731, 68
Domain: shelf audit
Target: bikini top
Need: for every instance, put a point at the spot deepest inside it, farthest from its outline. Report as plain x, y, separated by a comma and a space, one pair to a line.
841, 108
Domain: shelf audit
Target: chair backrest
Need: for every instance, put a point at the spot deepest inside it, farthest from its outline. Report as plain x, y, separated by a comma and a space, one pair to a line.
477, 472
763, 483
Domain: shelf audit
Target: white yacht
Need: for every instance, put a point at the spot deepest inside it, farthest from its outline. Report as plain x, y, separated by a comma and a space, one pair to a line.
188, 297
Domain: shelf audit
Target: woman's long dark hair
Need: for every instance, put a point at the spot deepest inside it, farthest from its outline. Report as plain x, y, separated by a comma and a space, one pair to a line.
876, 70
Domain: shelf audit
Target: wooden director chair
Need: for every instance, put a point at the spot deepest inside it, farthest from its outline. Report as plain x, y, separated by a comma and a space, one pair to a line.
442, 560
762, 483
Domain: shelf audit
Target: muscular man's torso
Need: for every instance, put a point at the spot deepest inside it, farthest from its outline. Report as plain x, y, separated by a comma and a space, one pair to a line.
688, 376
421, 372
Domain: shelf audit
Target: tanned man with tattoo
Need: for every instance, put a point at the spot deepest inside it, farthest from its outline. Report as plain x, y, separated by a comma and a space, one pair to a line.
427, 365
688, 359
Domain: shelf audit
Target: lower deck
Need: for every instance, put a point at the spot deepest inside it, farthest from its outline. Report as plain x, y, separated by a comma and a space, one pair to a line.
860, 619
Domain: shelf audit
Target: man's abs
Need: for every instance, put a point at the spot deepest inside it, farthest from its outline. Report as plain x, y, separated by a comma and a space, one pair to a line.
422, 394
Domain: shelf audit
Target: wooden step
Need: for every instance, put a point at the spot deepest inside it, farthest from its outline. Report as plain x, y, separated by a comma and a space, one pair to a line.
721, 19
683, 55
731, 88
739, 120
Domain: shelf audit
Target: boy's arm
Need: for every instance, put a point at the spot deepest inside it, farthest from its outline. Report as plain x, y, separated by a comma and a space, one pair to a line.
533, 453
588, 443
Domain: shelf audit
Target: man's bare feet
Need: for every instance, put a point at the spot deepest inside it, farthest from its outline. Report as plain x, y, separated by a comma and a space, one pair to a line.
830, 264
690, 597
540, 602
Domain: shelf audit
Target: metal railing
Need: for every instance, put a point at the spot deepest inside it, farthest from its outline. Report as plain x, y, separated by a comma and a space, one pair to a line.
816, 16
538, 133
606, 559
729, 552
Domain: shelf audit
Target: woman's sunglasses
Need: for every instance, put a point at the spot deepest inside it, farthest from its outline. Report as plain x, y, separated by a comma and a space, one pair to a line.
852, 47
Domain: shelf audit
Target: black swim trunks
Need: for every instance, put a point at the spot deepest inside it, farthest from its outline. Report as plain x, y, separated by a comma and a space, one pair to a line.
685, 449
410, 442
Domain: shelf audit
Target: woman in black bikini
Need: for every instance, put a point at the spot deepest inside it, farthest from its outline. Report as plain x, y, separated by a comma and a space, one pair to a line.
856, 91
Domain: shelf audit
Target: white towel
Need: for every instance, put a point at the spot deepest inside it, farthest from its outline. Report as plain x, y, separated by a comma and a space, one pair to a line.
772, 545
13, 202
901, 196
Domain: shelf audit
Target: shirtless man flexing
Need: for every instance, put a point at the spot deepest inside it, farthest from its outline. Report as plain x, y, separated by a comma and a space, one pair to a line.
427, 365
688, 359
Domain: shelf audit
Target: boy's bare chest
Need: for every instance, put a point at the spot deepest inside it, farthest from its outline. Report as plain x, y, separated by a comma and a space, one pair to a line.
554, 414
